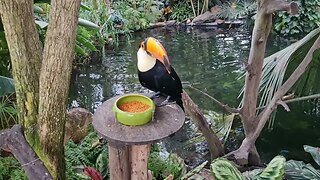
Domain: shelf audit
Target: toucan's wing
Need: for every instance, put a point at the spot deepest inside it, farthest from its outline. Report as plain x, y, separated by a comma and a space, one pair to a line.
177, 79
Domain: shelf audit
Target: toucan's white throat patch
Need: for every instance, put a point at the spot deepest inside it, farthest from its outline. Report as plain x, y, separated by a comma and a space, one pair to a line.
145, 61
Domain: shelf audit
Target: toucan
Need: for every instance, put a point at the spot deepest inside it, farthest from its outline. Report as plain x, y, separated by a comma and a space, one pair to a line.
155, 72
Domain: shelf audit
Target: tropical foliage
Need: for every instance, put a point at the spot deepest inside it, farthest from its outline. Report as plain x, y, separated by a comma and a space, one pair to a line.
140, 14
181, 11
8, 111
11, 169
222, 169
237, 9
307, 20
279, 66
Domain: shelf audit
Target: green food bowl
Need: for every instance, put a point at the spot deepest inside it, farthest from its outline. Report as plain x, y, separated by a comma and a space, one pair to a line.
133, 118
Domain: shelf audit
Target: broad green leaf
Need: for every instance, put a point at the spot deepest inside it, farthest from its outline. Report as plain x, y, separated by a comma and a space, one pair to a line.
87, 24
85, 43
274, 170
298, 170
222, 169
314, 151
6, 86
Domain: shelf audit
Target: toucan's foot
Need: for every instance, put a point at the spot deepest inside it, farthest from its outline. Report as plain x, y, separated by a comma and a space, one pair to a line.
154, 95
165, 102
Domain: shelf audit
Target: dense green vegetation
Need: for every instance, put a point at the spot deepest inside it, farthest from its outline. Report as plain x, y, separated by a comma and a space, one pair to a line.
307, 20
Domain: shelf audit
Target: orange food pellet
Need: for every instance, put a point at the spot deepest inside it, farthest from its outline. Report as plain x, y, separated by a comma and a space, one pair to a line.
133, 106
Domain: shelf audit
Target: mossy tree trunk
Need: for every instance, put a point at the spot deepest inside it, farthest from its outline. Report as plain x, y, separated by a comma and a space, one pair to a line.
26, 54
42, 77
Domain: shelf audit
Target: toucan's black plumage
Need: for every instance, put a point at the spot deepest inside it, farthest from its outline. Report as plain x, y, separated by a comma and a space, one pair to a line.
159, 80
155, 71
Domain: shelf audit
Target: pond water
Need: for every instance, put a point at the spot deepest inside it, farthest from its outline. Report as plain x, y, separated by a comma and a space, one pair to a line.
211, 60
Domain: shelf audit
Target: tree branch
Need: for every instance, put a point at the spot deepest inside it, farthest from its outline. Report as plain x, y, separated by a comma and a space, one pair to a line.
14, 140
214, 144
280, 5
264, 115
313, 96
223, 106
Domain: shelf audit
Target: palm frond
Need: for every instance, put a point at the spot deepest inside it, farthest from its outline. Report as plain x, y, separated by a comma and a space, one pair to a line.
280, 65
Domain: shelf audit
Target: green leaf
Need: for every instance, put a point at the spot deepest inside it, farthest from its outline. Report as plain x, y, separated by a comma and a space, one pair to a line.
298, 170
6, 86
222, 169
85, 43
80, 50
84, 7
102, 163
4, 52
314, 151
275, 169
87, 24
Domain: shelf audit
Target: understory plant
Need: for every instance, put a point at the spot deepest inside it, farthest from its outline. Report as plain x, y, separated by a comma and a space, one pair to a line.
10, 168
8, 112
181, 11
138, 14
237, 9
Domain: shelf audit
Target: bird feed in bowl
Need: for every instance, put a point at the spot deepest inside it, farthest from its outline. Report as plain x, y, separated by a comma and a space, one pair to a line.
134, 106
133, 109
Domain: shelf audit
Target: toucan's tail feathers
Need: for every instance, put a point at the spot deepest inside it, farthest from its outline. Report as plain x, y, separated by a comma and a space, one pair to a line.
180, 103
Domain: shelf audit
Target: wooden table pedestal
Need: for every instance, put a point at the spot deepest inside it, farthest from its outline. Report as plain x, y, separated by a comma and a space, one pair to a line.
129, 146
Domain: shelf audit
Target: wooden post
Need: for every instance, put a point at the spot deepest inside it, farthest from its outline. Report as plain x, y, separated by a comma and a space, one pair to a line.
129, 146
139, 161
118, 162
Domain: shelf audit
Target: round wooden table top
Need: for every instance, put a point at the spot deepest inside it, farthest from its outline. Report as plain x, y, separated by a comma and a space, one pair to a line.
167, 120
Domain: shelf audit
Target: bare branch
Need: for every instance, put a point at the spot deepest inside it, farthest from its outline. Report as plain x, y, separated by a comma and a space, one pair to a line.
263, 117
223, 106
214, 144
280, 5
313, 96
284, 105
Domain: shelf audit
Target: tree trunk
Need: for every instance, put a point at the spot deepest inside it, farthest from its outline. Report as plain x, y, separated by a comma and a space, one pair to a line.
25, 52
260, 34
42, 94
54, 82
263, 23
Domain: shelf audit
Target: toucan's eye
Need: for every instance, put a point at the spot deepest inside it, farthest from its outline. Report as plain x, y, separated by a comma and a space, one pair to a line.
142, 45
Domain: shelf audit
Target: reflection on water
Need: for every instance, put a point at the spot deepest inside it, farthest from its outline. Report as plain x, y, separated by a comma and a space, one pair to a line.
209, 59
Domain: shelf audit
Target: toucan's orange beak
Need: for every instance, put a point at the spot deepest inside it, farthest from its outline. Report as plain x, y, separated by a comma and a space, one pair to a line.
154, 48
